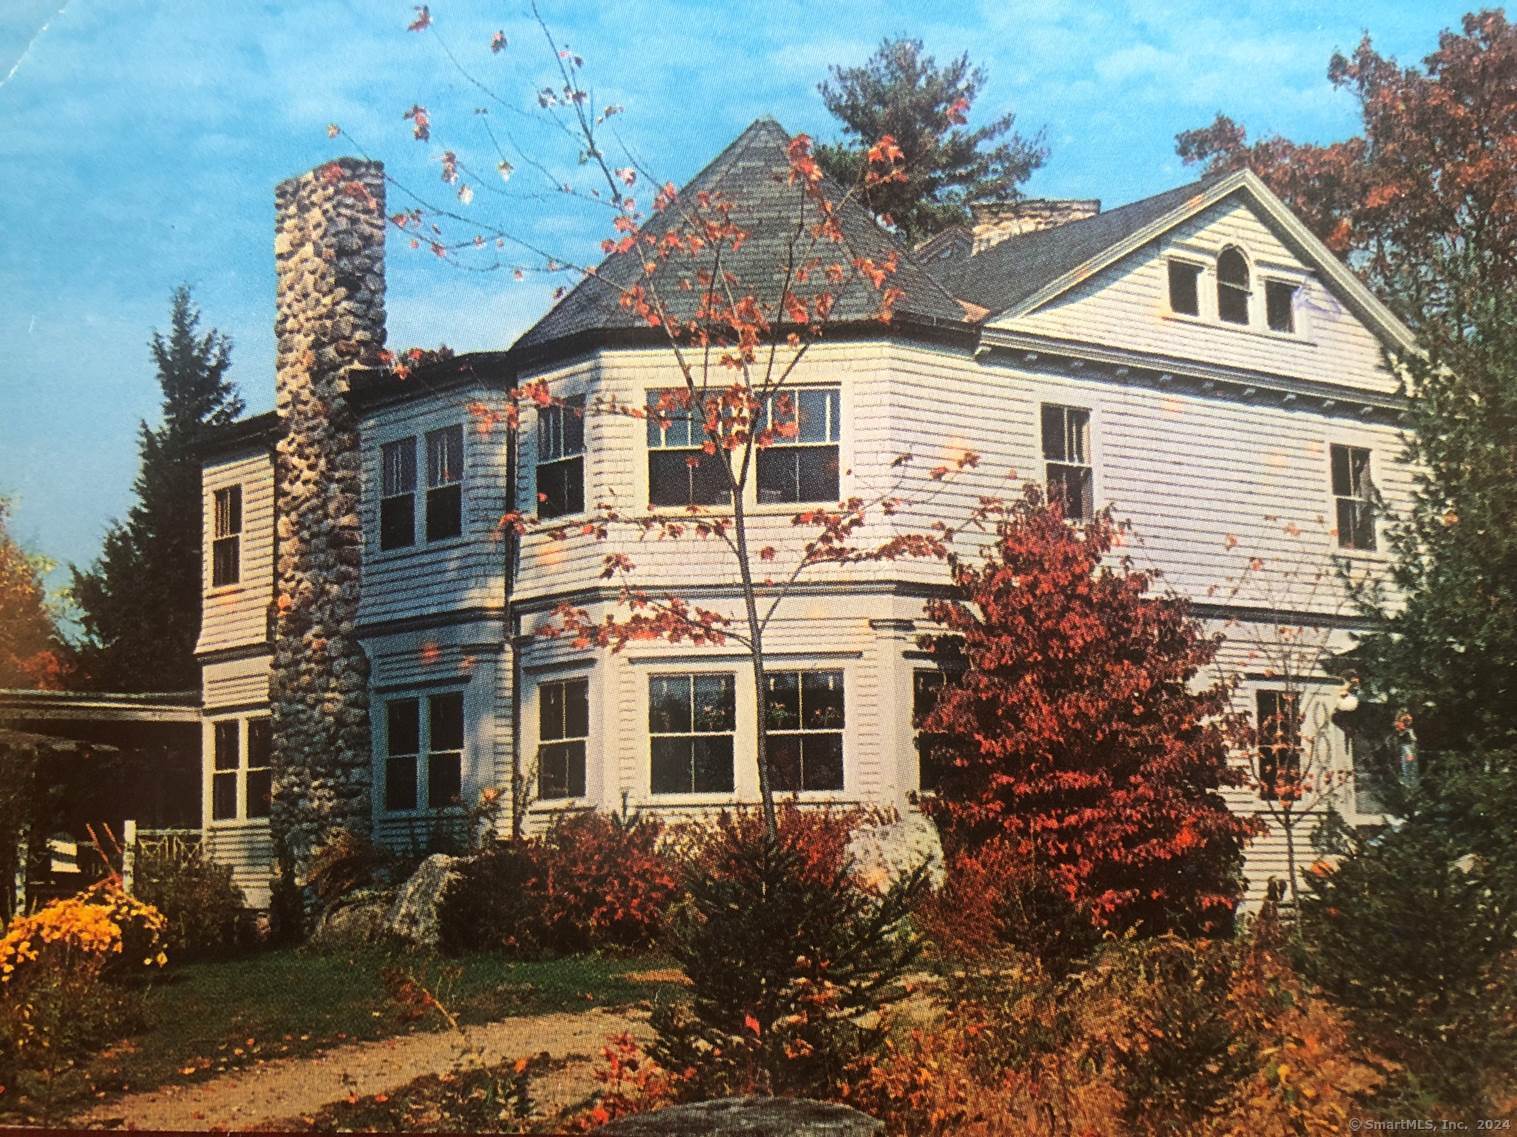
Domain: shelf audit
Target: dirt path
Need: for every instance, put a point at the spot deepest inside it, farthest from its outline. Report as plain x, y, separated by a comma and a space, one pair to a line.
289, 1088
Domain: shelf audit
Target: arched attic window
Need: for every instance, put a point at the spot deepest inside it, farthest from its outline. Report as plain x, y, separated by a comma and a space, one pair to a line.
1232, 286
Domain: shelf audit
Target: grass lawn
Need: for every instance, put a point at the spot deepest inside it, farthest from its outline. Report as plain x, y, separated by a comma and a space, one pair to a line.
211, 1017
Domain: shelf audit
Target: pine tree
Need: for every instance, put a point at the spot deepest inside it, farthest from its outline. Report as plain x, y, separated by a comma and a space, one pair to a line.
140, 602
902, 93
1075, 735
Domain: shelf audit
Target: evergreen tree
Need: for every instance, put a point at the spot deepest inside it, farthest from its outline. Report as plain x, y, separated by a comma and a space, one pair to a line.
902, 93
140, 602
31, 652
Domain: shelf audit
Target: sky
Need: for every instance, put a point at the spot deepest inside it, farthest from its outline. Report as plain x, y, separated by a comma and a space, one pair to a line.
140, 143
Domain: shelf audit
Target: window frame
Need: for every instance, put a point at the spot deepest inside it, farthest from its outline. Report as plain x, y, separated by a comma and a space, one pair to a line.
238, 772
686, 450
1245, 289
1272, 286
445, 484
226, 535
566, 741
405, 450
554, 454
1362, 501
802, 732
1064, 463
921, 740
423, 759
797, 448
1290, 747
1198, 271
730, 733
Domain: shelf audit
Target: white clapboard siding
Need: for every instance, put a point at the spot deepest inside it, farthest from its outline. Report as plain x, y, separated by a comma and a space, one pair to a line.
1208, 483
1126, 305
235, 683
249, 849
236, 615
467, 572
470, 657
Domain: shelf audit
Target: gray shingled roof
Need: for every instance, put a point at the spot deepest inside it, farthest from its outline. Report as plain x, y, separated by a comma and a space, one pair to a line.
750, 174
1007, 273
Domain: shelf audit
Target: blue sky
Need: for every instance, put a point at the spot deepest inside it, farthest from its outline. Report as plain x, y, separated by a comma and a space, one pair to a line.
142, 141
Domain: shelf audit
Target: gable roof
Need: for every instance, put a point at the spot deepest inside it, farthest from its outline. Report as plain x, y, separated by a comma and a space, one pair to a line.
750, 174
1024, 272
1008, 272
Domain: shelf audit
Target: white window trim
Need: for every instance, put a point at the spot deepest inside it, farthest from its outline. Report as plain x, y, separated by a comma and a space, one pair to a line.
468, 782
208, 770
752, 506
1078, 401
416, 430
528, 475
211, 588
534, 709
1380, 553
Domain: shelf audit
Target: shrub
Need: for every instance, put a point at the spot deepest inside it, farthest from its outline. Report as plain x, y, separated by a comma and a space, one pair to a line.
201, 906
1162, 1036
63, 989
789, 961
593, 881
1439, 991
994, 900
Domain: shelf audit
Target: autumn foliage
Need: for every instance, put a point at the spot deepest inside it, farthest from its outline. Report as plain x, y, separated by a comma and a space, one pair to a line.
1424, 200
1072, 730
31, 654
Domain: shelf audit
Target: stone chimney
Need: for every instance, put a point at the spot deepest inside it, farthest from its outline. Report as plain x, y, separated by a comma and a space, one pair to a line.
994, 221
329, 231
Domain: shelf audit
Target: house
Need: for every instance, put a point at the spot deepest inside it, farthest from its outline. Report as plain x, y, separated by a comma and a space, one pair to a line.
372, 643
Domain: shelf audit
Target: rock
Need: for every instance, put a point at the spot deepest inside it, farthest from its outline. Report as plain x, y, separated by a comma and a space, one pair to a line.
358, 918
883, 853
413, 914
748, 1117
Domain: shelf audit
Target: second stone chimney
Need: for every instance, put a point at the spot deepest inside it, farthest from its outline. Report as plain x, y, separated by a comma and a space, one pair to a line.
994, 221
329, 232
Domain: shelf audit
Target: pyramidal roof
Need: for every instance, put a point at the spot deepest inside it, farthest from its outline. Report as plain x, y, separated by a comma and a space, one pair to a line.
749, 174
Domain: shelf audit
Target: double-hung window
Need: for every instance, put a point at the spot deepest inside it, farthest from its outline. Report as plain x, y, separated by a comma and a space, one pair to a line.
397, 501
445, 475
691, 722
563, 715
680, 472
804, 713
802, 463
241, 768
561, 458
424, 747
1354, 496
226, 758
1279, 719
1066, 456
1232, 286
226, 547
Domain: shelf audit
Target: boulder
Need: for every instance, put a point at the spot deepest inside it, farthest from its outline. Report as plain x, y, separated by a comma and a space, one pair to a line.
359, 918
413, 913
882, 854
748, 1117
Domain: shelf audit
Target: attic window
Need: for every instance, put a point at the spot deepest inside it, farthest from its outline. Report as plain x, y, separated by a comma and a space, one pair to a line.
1280, 305
1232, 286
1184, 288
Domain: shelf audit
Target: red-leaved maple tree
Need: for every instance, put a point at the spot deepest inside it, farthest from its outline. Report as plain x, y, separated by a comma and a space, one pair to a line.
1424, 201
31, 653
1074, 731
